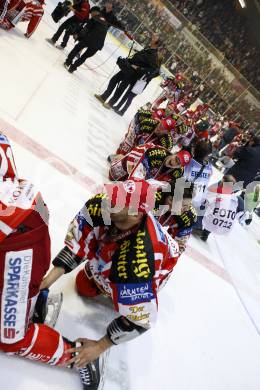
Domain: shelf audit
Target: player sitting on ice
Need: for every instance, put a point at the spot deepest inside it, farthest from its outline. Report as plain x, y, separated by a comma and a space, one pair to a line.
173, 91
154, 127
15, 11
198, 172
24, 261
175, 212
149, 162
128, 257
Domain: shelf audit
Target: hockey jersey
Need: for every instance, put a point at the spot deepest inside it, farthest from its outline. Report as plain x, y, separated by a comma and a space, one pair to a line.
21, 11
144, 162
24, 247
129, 266
200, 176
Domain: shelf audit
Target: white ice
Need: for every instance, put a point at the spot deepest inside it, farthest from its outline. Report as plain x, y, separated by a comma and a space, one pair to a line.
207, 335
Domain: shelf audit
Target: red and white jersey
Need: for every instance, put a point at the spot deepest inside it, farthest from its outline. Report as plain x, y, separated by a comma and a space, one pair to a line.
24, 247
18, 198
33, 13
7, 165
129, 266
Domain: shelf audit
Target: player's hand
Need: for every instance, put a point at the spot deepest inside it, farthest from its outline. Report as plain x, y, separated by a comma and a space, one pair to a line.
89, 351
26, 35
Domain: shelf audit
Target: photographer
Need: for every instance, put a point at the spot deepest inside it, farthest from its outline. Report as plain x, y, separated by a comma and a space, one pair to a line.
81, 14
132, 69
92, 36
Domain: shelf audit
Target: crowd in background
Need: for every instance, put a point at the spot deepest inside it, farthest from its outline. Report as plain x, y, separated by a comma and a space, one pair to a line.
142, 18
227, 30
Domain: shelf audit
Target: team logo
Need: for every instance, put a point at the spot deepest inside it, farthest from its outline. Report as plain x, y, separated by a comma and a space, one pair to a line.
129, 186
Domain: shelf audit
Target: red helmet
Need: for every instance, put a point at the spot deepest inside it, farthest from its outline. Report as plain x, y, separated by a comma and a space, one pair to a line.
184, 157
158, 114
133, 193
168, 123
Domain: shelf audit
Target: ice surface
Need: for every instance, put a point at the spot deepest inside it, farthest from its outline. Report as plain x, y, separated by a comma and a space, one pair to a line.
61, 136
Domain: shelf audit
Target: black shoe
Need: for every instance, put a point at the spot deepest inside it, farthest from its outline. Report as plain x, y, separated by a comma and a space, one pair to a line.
66, 65
50, 40
71, 69
99, 97
92, 376
117, 111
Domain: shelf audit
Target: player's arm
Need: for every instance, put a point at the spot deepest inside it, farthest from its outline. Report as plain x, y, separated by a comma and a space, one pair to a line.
73, 252
120, 330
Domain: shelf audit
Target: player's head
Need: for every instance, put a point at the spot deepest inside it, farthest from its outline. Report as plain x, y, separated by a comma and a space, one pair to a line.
178, 160
178, 198
201, 151
165, 126
130, 200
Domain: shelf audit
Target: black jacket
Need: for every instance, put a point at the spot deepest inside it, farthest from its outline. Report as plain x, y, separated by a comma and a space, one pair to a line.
248, 164
95, 31
147, 61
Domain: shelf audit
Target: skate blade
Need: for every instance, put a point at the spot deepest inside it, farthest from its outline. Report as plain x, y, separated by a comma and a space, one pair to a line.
54, 303
103, 368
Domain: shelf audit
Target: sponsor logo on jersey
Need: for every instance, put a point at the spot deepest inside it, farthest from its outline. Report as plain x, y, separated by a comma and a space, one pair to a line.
129, 294
17, 276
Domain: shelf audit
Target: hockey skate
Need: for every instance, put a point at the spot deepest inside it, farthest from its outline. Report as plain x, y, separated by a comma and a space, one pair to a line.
92, 376
47, 308
54, 303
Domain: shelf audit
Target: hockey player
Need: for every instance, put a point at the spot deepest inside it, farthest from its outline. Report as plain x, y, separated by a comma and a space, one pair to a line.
21, 11
128, 260
148, 161
177, 219
173, 91
153, 127
198, 172
24, 260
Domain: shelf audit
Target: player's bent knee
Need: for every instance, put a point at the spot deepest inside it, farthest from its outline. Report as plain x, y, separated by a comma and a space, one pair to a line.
85, 286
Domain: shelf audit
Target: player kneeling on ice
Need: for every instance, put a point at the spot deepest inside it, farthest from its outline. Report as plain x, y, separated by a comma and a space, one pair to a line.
149, 162
15, 11
175, 212
128, 258
24, 260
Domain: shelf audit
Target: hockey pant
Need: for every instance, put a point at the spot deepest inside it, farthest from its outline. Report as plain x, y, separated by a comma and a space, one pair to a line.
86, 285
24, 260
41, 343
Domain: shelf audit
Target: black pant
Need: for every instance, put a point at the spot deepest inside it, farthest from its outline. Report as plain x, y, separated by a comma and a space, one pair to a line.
126, 101
121, 82
68, 27
77, 49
